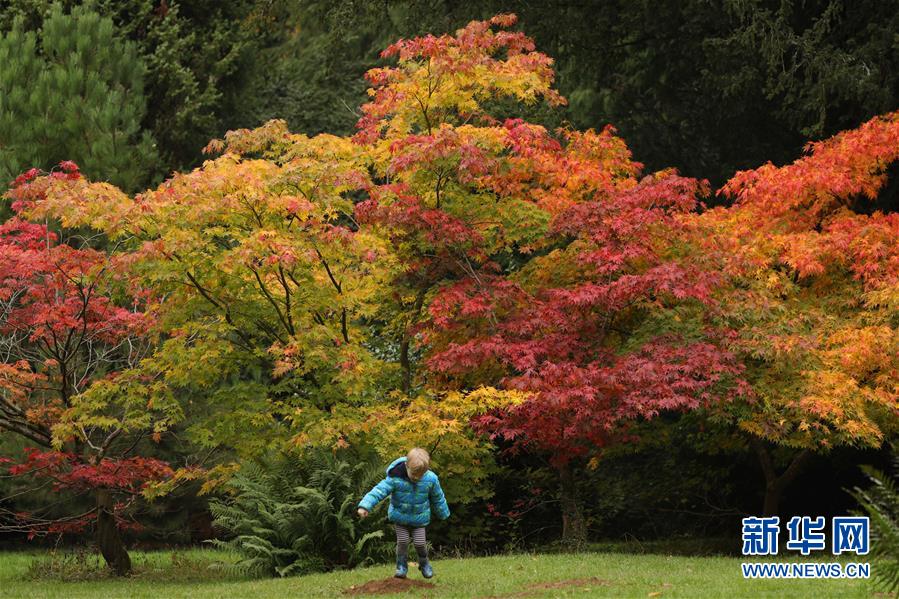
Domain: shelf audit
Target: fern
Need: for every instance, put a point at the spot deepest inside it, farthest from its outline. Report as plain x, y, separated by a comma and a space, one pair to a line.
880, 502
292, 515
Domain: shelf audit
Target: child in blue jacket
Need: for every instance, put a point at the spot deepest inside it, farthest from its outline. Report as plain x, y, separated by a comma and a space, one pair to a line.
414, 491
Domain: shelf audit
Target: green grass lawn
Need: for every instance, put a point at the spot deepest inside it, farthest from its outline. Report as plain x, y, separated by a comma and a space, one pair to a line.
511, 576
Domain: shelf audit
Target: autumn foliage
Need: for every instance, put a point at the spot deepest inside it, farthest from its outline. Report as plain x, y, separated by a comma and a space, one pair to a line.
70, 323
817, 287
452, 275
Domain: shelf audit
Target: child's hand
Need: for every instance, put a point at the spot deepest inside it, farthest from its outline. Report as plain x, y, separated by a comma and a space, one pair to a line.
362, 512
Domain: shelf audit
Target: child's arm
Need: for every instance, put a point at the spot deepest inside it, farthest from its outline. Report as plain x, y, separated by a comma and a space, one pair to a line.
376, 495
438, 500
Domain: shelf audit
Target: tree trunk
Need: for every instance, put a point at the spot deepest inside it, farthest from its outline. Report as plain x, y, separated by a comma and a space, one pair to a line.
108, 538
574, 527
776, 483
771, 506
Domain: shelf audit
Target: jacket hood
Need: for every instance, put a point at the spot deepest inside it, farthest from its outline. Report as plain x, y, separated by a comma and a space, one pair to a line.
394, 463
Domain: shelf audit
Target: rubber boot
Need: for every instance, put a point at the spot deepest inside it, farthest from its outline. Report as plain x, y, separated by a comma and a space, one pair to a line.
425, 566
402, 566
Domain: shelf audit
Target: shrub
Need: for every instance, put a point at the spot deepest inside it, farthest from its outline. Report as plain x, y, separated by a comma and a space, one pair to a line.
294, 515
880, 503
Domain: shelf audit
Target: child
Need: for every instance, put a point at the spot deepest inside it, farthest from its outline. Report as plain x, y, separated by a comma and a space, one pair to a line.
414, 491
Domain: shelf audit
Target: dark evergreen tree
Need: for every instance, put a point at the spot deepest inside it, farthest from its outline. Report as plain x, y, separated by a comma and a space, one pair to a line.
73, 91
197, 53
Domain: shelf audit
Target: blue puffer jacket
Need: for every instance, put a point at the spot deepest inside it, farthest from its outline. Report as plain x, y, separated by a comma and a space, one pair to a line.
410, 503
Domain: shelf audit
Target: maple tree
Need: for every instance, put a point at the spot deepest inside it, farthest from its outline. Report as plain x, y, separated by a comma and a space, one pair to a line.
70, 332
268, 298
813, 289
602, 331
536, 255
265, 279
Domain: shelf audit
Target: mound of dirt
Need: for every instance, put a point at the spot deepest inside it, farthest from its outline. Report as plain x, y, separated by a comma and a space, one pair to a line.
388, 585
